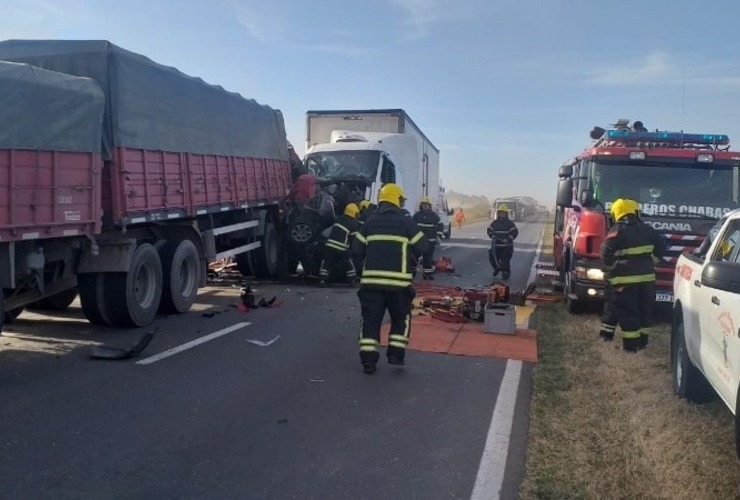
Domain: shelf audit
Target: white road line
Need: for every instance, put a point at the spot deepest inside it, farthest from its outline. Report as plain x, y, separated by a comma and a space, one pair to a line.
490, 478
191, 344
492, 467
533, 272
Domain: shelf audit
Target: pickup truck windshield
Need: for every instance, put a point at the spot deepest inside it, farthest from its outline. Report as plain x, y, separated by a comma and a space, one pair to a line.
665, 189
344, 165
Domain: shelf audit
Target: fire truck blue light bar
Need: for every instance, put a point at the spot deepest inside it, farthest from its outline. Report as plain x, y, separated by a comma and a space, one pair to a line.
672, 137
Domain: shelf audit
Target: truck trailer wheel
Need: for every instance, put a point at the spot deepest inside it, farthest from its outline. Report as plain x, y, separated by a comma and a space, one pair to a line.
92, 298
132, 298
10, 316
180, 276
264, 261
57, 302
688, 382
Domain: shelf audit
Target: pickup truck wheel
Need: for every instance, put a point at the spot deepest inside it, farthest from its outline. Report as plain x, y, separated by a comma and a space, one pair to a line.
92, 300
181, 274
688, 382
132, 298
448, 234
57, 302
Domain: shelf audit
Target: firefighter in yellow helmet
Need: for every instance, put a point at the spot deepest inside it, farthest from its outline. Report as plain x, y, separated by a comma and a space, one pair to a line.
502, 232
629, 253
431, 225
337, 246
383, 243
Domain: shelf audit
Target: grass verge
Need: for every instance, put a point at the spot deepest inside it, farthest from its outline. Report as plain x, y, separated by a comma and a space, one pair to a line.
605, 424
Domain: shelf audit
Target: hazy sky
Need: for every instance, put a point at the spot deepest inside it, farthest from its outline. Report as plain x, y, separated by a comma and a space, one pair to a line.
506, 89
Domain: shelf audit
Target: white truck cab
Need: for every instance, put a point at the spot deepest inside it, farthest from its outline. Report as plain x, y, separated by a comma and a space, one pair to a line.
705, 334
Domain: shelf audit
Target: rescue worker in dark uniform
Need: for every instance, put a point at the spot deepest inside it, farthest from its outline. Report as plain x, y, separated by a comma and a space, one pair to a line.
502, 232
609, 320
431, 225
366, 210
337, 247
630, 251
384, 243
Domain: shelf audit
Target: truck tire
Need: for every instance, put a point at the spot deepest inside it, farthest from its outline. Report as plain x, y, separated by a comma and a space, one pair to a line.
448, 234
57, 302
2, 310
264, 261
132, 298
688, 382
10, 316
242, 264
180, 276
574, 306
92, 299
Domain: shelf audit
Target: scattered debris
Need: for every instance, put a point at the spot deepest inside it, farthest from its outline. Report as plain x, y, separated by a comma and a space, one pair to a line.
444, 265
107, 352
262, 343
317, 379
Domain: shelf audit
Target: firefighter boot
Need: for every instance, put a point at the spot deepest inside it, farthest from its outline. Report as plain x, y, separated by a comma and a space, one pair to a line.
631, 344
643, 340
607, 332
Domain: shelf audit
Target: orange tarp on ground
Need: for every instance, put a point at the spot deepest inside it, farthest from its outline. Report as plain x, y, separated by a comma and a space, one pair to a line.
468, 339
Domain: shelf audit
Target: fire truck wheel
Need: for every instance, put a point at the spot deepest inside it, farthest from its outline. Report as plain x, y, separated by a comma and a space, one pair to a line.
91, 287
133, 298
180, 276
57, 302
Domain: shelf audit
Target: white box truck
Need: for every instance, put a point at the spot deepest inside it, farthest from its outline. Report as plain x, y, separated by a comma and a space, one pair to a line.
379, 146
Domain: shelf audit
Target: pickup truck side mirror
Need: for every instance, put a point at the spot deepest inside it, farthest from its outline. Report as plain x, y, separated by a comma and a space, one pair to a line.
722, 276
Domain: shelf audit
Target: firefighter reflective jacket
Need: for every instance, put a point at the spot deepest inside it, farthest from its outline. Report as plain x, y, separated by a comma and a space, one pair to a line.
430, 224
342, 233
385, 242
503, 232
630, 251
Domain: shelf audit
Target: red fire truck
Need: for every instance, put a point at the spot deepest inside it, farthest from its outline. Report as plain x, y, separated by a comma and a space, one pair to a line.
684, 183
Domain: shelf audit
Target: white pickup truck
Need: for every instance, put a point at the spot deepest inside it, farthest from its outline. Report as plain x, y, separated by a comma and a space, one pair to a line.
705, 336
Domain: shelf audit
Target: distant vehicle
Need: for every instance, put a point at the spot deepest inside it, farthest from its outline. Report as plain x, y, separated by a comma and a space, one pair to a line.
515, 207
705, 347
683, 182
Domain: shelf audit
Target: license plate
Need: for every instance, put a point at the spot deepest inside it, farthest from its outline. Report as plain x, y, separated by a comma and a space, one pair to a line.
663, 297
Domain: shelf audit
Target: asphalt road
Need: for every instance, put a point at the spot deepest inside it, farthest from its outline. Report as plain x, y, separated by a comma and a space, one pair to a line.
231, 419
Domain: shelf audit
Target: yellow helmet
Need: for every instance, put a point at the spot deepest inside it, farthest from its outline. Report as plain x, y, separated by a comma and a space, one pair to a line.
621, 208
364, 204
392, 193
503, 208
634, 206
351, 210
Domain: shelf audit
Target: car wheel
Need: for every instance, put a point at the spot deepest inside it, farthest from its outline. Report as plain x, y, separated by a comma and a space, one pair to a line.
688, 382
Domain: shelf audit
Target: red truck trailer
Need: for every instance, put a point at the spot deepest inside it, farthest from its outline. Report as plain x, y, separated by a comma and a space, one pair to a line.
122, 178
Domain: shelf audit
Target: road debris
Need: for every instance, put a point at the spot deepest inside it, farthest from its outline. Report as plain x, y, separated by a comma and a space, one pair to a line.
262, 343
107, 352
